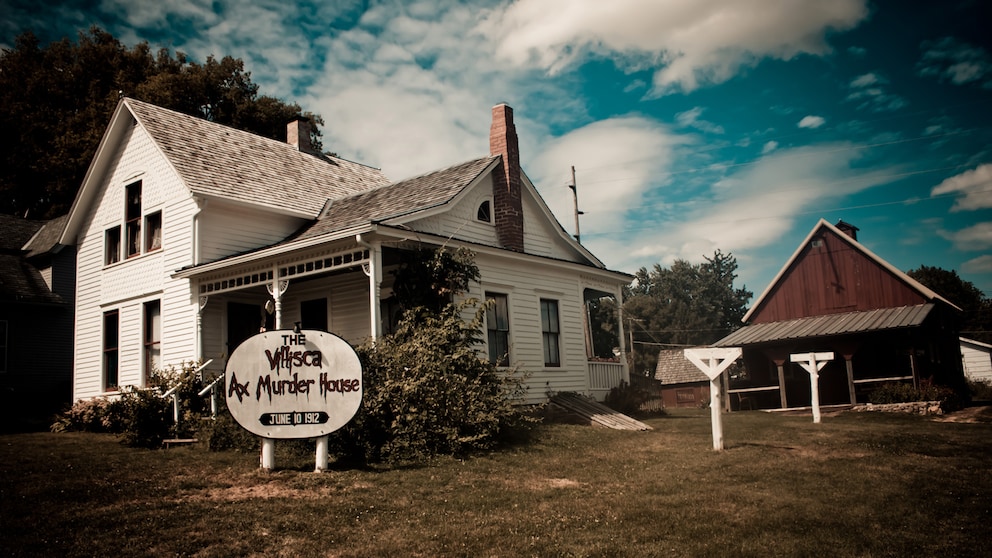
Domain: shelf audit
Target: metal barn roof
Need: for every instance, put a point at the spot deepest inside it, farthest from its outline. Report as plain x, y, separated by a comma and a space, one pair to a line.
829, 325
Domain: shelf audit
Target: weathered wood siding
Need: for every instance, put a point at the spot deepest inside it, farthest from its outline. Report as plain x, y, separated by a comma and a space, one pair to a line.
832, 278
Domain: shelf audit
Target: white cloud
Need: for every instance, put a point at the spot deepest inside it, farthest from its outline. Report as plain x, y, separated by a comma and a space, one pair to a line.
974, 186
956, 61
769, 147
811, 121
865, 80
752, 208
689, 43
690, 119
616, 161
981, 264
870, 90
975, 237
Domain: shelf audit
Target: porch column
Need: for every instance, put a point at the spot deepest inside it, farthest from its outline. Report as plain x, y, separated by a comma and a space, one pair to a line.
277, 288
849, 365
624, 368
374, 273
201, 304
780, 367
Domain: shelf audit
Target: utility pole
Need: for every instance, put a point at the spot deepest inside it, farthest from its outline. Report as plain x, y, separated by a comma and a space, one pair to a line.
575, 198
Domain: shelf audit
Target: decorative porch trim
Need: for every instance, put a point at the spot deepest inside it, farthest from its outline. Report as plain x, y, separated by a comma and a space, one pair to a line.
302, 267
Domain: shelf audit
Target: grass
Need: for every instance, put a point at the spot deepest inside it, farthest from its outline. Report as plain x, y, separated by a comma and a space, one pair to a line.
858, 484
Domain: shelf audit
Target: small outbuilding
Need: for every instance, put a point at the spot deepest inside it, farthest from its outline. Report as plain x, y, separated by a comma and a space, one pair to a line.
835, 295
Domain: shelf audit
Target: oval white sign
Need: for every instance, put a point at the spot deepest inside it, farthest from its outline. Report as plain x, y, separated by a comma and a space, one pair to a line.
281, 384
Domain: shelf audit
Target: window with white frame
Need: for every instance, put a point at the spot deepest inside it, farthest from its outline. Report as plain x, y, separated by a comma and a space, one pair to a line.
112, 245
152, 337
111, 349
498, 329
132, 219
550, 331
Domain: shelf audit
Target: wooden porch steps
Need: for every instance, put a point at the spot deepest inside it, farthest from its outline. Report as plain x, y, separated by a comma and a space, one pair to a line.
596, 413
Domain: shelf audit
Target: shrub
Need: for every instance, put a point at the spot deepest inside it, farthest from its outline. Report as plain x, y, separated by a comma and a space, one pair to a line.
427, 393
142, 417
224, 433
908, 393
86, 415
627, 399
980, 389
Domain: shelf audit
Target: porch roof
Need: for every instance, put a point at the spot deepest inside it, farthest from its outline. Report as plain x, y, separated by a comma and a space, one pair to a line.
395, 200
829, 325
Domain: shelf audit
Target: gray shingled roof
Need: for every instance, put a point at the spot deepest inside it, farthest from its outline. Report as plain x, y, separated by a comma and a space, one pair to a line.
16, 232
46, 238
216, 160
673, 368
19, 280
400, 198
831, 324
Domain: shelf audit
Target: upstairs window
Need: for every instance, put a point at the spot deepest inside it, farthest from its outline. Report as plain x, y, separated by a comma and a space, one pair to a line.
132, 218
550, 331
112, 245
153, 231
498, 329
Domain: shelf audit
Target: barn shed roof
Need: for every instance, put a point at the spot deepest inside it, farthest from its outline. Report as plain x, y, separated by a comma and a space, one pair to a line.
829, 325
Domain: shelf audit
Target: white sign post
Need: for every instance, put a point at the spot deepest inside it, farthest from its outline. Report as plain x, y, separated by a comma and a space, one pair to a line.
283, 384
713, 361
813, 363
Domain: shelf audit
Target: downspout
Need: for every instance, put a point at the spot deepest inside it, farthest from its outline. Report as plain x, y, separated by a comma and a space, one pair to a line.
374, 273
201, 301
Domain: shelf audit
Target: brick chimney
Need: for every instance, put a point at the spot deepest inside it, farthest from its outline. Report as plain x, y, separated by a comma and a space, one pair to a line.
848, 229
298, 134
507, 210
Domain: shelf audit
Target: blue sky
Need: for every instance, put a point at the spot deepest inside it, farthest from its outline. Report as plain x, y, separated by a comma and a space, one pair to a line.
693, 125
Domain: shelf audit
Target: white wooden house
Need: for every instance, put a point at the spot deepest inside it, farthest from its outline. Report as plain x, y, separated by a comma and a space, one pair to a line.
977, 360
191, 236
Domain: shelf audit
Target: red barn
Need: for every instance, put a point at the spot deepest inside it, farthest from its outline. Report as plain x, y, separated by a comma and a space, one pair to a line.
835, 295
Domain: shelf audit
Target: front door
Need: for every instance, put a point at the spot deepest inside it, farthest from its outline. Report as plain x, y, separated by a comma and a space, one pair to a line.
245, 320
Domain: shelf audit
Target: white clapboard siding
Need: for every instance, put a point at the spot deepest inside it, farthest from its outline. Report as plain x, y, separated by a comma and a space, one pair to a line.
977, 360
525, 285
228, 229
349, 307
128, 284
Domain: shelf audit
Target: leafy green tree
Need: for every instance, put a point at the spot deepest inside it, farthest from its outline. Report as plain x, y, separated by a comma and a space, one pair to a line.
56, 101
976, 319
683, 305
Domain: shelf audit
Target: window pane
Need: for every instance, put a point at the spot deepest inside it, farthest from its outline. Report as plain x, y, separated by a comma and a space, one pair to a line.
111, 321
112, 245
153, 231
132, 218
549, 332
498, 329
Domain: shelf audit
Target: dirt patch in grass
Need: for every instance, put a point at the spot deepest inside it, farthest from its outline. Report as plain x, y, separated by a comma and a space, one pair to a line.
977, 413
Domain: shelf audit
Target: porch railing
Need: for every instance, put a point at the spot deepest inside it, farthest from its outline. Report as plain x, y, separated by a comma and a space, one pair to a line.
604, 375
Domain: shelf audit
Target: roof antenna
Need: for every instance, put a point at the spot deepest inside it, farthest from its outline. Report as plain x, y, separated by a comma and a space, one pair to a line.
575, 198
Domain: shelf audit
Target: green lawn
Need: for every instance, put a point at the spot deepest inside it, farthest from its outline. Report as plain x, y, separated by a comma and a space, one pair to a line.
854, 485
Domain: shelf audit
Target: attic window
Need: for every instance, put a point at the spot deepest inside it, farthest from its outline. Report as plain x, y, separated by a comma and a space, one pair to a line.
132, 218
816, 243
485, 213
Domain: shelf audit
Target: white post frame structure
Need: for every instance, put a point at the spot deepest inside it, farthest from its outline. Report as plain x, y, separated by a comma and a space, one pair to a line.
813, 363
713, 361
